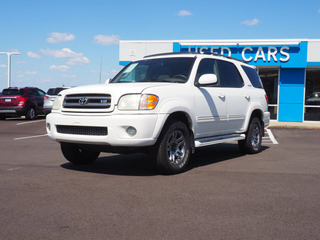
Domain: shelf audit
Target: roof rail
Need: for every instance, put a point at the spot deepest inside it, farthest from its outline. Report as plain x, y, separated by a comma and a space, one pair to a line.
168, 53
221, 55
207, 53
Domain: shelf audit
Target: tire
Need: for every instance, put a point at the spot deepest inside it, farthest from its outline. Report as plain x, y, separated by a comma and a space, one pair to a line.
31, 113
75, 154
252, 143
173, 149
2, 117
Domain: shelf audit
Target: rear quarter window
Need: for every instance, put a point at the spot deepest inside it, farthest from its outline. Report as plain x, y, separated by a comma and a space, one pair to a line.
253, 76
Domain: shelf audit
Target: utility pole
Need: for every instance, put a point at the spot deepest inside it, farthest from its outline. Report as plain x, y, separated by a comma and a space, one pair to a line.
9, 64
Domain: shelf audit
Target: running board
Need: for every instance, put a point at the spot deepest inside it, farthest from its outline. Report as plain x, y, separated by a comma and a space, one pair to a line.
219, 139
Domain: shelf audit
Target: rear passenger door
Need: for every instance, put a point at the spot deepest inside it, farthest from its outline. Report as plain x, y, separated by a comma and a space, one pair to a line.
237, 98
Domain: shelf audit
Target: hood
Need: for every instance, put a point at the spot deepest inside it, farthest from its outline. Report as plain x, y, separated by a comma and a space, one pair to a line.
116, 90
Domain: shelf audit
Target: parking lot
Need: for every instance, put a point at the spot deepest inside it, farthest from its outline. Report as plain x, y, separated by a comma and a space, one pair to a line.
224, 195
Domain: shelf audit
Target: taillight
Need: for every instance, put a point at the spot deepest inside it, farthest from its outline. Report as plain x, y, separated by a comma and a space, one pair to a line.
267, 98
22, 101
46, 97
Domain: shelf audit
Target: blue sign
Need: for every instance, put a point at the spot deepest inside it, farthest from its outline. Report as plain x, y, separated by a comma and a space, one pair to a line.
288, 56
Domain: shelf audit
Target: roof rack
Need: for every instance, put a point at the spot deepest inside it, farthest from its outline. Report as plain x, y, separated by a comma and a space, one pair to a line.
207, 53
168, 53
221, 55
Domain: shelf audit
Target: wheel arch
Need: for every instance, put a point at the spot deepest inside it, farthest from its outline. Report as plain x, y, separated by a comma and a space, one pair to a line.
256, 113
182, 117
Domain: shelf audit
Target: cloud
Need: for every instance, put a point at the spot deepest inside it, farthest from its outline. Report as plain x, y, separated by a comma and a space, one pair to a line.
252, 22
73, 57
69, 76
31, 72
106, 40
33, 55
44, 80
183, 13
60, 68
60, 37
3, 66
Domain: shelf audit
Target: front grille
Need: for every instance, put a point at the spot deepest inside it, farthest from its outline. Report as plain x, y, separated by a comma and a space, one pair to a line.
81, 130
88, 101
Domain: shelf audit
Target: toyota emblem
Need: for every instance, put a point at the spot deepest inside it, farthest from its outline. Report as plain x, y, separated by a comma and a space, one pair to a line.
83, 100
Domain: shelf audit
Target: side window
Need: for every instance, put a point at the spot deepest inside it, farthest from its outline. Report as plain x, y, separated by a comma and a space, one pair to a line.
253, 76
41, 93
208, 66
32, 92
229, 75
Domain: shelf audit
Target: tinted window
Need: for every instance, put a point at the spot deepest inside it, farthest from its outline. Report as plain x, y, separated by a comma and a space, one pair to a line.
54, 91
229, 75
13, 92
41, 93
208, 66
34, 92
253, 76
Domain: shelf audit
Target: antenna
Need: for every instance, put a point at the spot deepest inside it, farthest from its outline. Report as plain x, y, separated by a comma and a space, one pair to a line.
9, 64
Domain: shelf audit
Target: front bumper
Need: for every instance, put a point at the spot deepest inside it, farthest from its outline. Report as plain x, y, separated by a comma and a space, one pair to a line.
147, 127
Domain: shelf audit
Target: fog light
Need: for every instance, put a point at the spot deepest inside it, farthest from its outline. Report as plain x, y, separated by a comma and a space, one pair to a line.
48, 126
131, 131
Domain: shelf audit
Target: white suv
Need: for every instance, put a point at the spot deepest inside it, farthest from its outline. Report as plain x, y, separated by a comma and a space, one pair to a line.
166, 105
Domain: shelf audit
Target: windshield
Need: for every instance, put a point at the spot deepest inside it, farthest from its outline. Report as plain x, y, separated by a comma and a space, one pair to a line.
156, 70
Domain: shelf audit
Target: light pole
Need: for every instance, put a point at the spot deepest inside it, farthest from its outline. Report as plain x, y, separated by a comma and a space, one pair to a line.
9, 64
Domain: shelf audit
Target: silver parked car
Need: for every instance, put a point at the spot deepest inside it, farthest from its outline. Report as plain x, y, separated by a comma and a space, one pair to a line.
50, 97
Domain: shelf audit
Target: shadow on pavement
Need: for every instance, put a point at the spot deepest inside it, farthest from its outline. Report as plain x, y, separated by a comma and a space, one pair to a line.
141, 164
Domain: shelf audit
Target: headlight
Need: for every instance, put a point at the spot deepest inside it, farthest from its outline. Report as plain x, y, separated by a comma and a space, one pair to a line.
57, 103
138, 102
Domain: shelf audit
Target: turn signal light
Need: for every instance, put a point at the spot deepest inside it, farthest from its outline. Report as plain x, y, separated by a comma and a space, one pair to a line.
148, 102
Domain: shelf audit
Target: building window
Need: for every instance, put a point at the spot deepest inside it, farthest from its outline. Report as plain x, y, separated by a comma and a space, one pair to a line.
270, 81
312, 95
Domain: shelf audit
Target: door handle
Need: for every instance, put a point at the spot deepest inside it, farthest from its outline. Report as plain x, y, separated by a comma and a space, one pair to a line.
247, 97
222, 96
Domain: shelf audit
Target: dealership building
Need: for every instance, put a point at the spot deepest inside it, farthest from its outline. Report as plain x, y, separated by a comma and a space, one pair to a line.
288, 68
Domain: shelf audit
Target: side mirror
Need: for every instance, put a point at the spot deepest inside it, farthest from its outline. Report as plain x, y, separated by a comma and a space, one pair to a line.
207, 79
107, 81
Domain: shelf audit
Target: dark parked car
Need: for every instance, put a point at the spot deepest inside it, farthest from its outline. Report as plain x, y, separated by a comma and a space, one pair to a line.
26, 102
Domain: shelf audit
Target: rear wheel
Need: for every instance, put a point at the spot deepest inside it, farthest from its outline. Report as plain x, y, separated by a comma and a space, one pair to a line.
252, 142
31, 113
173, 148
76, 154
2, 117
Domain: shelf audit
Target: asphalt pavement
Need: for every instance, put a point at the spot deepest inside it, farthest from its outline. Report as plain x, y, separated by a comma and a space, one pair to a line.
224, 195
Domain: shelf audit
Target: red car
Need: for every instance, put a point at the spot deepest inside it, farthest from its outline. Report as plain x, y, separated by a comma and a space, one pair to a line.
16, 102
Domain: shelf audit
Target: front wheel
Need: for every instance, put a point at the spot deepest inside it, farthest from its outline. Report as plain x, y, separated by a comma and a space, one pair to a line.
76, 154
173, 148
252, 142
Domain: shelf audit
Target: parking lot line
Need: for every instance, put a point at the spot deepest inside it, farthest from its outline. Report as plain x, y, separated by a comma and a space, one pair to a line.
36, 136
272, 138
21, 123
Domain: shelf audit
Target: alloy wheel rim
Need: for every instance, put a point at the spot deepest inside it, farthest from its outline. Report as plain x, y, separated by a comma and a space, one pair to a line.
176, 147
255, 137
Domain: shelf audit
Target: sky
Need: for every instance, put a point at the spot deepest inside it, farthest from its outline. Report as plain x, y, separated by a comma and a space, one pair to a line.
76, 42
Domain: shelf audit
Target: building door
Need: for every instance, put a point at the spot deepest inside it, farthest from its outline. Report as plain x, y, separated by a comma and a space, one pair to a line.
270, 81
312, 95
